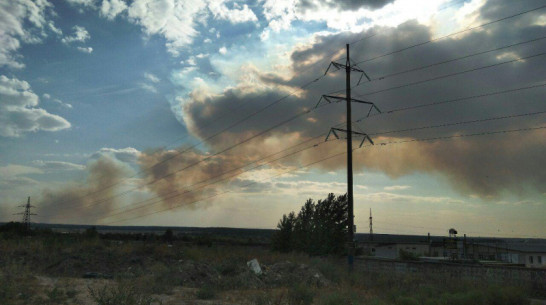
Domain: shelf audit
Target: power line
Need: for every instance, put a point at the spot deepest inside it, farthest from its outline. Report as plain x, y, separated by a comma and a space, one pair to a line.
459, 58
449, 35
213, 136
243, 186
444, 62
177, 193
452, 74
342, 153
461, 123
457, 100
441, 9
277, 101
323, 134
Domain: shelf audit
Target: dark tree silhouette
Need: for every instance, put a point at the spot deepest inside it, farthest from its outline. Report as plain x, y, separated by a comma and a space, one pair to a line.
319, 228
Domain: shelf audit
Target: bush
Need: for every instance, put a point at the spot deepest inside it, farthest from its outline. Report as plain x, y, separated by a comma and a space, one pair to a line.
206, 293
408, 256
121, 294
300, 295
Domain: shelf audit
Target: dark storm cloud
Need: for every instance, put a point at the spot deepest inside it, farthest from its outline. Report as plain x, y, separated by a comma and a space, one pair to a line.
486, 166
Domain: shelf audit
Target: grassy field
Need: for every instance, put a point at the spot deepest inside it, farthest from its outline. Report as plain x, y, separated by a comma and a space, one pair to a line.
85, 269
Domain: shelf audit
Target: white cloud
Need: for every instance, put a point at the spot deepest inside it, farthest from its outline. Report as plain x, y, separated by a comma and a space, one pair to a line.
80, 35
66, 105
57, 165
221, 11
396, 187
281, 14
19, 112
111, 8
128, 154
85, 3
148, 87
382, 197
174, 20
47, 96
87, 50
222, 50
22, 21
151, 77
14, 170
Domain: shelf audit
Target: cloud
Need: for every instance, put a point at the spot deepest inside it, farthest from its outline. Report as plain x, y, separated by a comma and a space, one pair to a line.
80, 35
22, 21
85, 3
14, 170
396, 187
488, 166
57, 165
151, 77
19, 112
235, 15
127, 154
222, 50
112, 8
47, 96
66, 105
345, 15
148, 87
87, 50
174, 20
383, 197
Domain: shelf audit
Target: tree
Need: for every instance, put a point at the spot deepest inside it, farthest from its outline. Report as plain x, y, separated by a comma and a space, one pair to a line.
168, 236
282, 239
318, 229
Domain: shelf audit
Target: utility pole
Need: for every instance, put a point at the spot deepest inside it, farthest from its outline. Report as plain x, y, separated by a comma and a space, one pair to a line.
26, 214
349, 131
371, 225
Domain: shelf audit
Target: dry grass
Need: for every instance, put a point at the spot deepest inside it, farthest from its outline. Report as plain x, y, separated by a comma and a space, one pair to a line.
48, 270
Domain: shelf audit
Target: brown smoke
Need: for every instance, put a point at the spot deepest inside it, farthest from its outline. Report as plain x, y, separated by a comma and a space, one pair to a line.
484, 166
178, 182
88, 203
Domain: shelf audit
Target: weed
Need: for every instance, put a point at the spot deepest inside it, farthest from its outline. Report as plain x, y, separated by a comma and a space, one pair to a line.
121, 294
300, 295
206, 293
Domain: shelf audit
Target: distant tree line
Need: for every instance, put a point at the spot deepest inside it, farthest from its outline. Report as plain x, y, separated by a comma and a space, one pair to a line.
319, 228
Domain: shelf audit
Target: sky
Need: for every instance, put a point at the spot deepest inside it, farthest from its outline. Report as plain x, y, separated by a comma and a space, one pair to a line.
207, 113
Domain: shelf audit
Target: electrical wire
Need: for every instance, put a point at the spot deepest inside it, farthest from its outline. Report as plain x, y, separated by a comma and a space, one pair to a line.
485, 133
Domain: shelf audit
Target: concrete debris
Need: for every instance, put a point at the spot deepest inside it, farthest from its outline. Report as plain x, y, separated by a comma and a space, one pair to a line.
254, 265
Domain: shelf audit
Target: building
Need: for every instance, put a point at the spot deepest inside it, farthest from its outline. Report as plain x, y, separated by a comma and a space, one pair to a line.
393, 250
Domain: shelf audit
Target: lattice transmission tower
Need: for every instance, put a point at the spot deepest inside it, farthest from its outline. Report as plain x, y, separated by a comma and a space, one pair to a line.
27, 213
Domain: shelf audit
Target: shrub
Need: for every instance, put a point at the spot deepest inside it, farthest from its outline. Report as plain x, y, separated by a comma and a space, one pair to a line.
121, 294
206, 293
300, 295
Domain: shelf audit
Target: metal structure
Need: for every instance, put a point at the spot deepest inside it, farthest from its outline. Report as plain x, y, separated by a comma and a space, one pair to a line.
371, 225
26, 214
328, 98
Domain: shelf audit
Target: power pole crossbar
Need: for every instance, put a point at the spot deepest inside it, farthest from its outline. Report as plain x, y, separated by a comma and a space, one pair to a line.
335, 99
